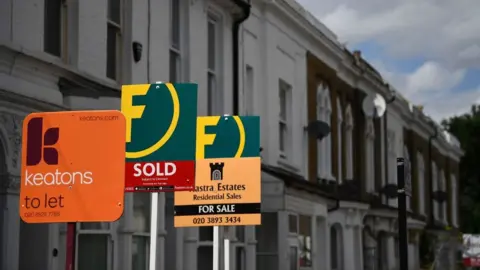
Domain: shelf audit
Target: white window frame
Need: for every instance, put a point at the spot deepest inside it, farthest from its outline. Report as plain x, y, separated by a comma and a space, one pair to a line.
108, 229
215, 96
349, 141
64, 31
118, 43
178, 50
369, 155
285, 120
248, 90
339, 256
408, 165
293, 238
339, 142
434, 173
421, 182
324, 147
454, 196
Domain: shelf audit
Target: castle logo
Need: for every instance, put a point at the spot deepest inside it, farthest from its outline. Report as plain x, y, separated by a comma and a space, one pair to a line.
216, 171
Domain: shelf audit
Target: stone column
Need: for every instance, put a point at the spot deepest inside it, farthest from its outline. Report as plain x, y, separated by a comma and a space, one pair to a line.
282, 236
190, 251
162, 233
125, 233
251, 248
348, 237
11, 223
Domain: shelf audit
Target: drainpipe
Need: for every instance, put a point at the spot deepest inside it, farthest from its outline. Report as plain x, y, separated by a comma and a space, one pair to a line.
430, 140
385, 131
336, 207
245, 6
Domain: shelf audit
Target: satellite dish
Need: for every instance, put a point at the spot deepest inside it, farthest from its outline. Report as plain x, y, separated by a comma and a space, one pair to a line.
319, 129
374, 106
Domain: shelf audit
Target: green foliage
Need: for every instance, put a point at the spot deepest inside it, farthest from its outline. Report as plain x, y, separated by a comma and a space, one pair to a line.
467, 129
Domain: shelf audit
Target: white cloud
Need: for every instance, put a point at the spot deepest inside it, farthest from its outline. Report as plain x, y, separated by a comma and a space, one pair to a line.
444, 32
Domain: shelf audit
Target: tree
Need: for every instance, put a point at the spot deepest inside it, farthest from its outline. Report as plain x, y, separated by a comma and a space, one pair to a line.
467, 129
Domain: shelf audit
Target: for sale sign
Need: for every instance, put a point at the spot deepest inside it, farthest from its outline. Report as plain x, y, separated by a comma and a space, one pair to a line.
161, 128
228, 187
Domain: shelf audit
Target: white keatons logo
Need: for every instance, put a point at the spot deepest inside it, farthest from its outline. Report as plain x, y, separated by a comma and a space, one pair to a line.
154, 169
58, 178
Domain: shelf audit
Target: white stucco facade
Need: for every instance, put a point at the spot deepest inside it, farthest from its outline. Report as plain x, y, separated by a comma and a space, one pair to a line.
298, 230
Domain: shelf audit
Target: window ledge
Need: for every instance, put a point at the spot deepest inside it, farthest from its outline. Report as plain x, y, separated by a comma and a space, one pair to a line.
287, 164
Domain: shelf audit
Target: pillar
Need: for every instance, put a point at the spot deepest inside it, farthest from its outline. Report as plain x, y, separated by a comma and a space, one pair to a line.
348, 238
11, 225
283, 245
251, 248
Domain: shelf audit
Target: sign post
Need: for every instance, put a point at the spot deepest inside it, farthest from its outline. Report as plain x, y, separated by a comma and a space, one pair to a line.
402, 213
227, 185
160, 140
67, 181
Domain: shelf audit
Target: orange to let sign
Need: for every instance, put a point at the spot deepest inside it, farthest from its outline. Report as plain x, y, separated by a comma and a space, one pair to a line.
73, 167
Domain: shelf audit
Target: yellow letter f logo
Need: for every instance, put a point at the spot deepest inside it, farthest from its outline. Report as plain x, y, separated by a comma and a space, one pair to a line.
132, 112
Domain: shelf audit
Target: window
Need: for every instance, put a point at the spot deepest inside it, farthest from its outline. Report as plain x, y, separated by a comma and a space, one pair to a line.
267, 242
442, 185
176, 24
370, 155
248, 91
435, 188
336, 247
349, 141
55, 28
293, 254
94, 246
454, 198
408, 173
284, 118
339, 141
214, 93
141, 235
305, 240
324, 147
114, 39
421, 183
292, 224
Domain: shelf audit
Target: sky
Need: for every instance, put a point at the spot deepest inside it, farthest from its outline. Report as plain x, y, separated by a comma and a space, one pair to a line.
429, 50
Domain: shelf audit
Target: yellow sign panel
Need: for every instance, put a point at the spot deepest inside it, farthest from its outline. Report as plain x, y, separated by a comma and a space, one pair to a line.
227, 193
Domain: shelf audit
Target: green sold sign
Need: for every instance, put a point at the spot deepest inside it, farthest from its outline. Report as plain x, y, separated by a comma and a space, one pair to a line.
228, 137
161, 121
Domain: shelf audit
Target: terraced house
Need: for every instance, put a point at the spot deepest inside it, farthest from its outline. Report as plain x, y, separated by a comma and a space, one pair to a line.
325, 163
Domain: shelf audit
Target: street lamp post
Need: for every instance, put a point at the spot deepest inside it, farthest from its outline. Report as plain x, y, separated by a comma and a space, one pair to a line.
404, 190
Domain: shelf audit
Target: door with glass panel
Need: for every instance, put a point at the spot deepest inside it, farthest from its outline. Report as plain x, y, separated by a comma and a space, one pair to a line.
94, 246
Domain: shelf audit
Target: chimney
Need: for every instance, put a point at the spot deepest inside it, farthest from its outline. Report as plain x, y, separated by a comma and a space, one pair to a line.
357, 54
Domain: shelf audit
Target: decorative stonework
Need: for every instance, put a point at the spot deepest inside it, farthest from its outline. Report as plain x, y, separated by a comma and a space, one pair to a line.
9, 182
13, 125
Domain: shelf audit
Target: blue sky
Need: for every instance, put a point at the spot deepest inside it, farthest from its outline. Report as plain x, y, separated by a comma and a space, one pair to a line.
428, 50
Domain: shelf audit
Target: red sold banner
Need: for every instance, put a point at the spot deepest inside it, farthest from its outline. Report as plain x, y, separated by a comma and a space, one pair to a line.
471, 250
159, 176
